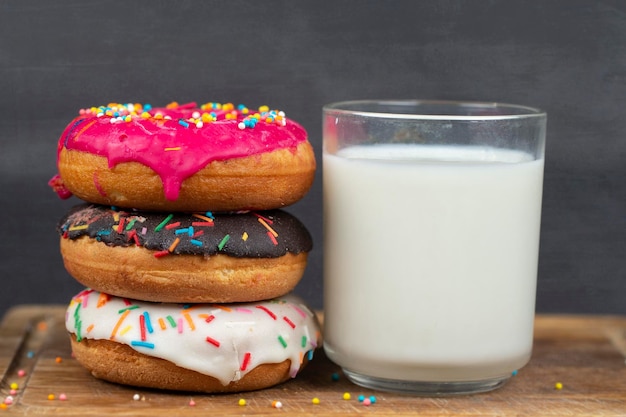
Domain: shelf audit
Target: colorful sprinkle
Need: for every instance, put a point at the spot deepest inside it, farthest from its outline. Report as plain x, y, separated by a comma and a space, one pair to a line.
277, 404
103, 299
189, 320
124, 309
315, 400
289, 322
163, 223
300, 311
267, 226
282, 341
147, 322
120, 226
118, 324
142, 327
173, 245
203, 224
132, 235
213, 341
207, 219
272, 238
346, 396
172, 226
268, 311
81, 227
246, 361
51, 397
558, 386
131, 223
242, 402
222, 243
63, 397
125, 330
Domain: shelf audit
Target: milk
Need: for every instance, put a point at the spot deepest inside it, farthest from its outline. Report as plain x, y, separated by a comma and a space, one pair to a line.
430, 260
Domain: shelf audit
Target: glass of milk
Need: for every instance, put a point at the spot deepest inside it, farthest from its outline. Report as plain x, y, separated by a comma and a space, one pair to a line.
431, 236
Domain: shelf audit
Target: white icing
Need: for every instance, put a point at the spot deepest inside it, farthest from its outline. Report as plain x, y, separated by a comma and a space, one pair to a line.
245, 332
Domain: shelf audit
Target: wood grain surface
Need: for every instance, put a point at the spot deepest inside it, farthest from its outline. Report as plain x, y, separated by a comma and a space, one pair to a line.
586, 354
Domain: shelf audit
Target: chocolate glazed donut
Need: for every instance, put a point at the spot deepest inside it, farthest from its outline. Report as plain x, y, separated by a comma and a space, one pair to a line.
184, 257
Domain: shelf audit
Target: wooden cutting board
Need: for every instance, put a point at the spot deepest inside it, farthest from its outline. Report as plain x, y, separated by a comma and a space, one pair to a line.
585, 354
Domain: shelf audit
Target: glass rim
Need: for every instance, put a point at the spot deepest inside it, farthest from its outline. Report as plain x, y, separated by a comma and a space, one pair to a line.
521, 111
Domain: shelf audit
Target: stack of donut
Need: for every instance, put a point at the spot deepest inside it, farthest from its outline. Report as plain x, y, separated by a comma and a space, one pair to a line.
187, 257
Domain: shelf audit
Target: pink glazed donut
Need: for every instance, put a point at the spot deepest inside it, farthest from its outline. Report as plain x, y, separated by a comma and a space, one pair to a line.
215, 157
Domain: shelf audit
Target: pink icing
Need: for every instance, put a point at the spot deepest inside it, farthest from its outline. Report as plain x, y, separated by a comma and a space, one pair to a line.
178, 148
57, 185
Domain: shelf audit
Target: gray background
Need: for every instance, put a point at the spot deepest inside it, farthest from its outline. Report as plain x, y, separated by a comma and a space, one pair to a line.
567, 57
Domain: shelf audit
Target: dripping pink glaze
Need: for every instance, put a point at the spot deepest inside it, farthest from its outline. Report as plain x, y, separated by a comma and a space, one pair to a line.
146, 141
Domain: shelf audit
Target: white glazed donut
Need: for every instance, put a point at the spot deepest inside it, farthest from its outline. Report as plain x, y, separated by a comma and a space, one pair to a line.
194, 347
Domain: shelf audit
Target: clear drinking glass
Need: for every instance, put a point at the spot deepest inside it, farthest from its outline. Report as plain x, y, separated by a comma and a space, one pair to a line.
431, 238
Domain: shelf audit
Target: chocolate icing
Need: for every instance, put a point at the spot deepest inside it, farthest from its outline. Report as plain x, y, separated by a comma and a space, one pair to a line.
262, 234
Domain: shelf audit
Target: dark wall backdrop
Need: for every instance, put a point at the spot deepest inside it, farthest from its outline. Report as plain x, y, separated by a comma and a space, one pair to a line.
565, 56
